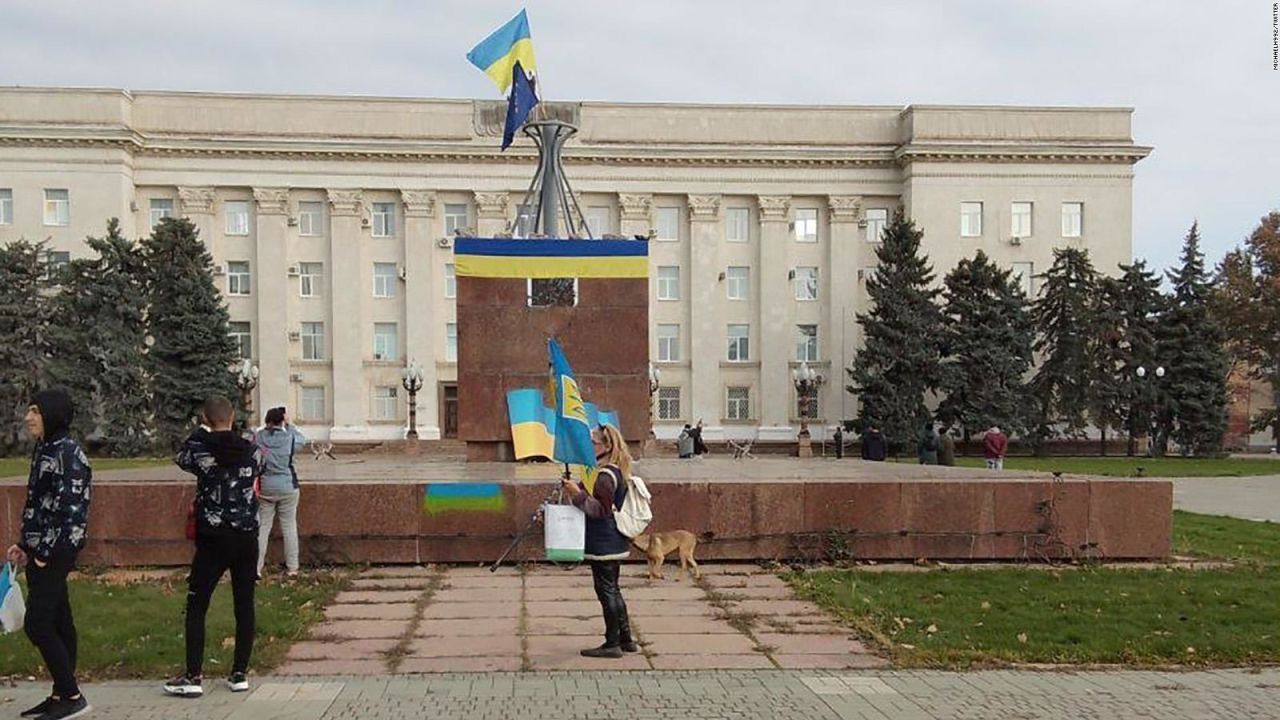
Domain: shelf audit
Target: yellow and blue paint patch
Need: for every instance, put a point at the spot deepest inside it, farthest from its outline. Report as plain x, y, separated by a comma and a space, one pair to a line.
463, 497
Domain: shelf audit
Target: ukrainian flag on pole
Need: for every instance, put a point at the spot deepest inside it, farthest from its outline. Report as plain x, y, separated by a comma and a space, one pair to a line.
573, 433
497, 54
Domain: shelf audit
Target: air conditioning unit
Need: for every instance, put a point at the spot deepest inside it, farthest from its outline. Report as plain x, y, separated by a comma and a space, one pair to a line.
133, 206
295, 377
377, 356
364, 222
445, 242
403, 274
862, 223
293, 271
293, 221
1015, 240
862, 274
220, 269
295, 335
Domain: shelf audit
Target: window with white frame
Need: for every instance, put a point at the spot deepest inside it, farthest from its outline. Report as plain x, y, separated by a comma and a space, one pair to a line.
313, 404
668, 223
450, 281
57, 207
1072, 219
739, 343
242, 335
384, 280
236, 217
1020, 216
806, 343
806, 225
737, 403
311, 279
668, 403
386, 341
160, 209
385, 404
238, 277
524, 221
970, 219
456, 217
806, 283
737, 224
312, 341
738, 282
600, 220
877, 219
668, 342
451, 342
384, 219
668, 282
1025, 274
6, 206
311, 222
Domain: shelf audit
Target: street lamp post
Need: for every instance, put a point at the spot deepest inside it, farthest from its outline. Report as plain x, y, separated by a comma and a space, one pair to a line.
246, 381
651, 441
807, 381
1154, 447
411, 379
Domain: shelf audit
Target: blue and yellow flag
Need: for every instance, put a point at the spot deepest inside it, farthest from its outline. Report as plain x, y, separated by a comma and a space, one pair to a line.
573, 431
497, 54
552, 258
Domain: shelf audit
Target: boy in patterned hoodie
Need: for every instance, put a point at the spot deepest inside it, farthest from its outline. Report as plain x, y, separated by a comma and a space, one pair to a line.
53, 531
226, 467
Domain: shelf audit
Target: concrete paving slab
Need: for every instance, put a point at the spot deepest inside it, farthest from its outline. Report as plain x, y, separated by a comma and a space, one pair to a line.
564, 608
831, 662
333, 667
358, 629
370, 611
776, 607
545, 594
460, 665
678, 608
760, 593
811, 644
482, 581
377, 583
675, 624
376, 596
476, 595
401, 571
669, 592
467, 627
477, 646
565, 626
699, 644
711, 662
575, 661
350, 650
482, 610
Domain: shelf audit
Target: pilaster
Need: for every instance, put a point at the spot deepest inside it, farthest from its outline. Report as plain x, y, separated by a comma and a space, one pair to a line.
196, 203
272, 287
706, 329
776, 306
492, 213
837, 289
351, 399
424, 277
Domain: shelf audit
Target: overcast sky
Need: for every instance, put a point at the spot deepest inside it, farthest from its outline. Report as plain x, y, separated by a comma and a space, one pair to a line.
1199, 74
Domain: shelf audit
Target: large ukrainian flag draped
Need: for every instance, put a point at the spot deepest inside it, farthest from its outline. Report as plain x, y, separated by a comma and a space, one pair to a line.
497, 54
533, 423
573, 431
553, 258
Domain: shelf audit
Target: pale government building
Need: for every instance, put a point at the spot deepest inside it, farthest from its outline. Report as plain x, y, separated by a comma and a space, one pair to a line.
330, 222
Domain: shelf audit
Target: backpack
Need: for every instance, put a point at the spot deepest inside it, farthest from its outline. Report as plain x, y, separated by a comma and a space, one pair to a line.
636, 513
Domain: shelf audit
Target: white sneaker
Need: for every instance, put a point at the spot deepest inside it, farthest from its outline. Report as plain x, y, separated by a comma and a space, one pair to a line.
238, 682
184, 686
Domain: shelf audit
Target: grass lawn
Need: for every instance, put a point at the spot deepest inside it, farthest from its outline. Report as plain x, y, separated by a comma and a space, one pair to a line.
1128, 467
20, 466
134, 629
962, 617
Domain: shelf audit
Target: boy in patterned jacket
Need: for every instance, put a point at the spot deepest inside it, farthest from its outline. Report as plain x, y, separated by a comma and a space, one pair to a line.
53, 532
226, 467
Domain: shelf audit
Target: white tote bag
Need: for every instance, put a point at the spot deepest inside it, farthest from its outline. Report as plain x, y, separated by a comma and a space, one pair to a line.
13, 608
565, 532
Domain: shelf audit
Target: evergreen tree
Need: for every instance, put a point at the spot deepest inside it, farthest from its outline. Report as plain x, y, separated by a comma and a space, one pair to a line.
1062, 319
1191, 349
1140, 302
986, 347
24, 315
71, 345
191, 353
1264, 250
1108, 356
899, 361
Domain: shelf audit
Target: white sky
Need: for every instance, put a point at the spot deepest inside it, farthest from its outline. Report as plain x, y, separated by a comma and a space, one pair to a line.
1199, 74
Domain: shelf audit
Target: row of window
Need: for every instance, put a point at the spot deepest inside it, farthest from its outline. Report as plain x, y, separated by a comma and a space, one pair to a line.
310, 218
57, 207
737, 224
737, 404
311, 279
313, 404
737, 280
739, 343
1020, 219
386, 340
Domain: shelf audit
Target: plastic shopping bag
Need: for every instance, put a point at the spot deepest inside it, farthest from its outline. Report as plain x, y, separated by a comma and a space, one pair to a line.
565, 529
13, 608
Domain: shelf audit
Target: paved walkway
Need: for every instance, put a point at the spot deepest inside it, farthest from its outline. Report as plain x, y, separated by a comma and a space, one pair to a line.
1251, 498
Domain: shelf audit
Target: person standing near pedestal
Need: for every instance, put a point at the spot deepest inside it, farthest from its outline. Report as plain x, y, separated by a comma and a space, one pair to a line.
927, 445
280, 491
995, 445
875, 447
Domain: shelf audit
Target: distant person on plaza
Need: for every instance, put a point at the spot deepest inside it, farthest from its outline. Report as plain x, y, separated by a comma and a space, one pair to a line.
875, 447
54, 521
226, 467
684, 443
699, 447
278, 441
927, 445
605, 546
995, 445
946, 448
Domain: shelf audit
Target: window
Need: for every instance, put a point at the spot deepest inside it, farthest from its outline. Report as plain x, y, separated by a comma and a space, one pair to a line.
57, 207
668, 403
737, 283
806, 225
668, 282
385, 341
739, 335
450, 281
236, 217
311, 224
1025, 273
1020, 213
1072, 219
161, 208
384, 219
806, 343
384, 402
806, 283
668, 223
312, 403
970, 219
242, 335
738, 403
600, 220
668, 343
311, 279
456, 218
312, 341
384, 280
525, 221
451, 342
55, 261
737, 224
238, 277
6, 206
877, 218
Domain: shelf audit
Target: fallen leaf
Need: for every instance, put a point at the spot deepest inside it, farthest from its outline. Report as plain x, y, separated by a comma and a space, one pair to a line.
931, 629
1022, 637
1191, 650
228, 643
986, 605
908, 647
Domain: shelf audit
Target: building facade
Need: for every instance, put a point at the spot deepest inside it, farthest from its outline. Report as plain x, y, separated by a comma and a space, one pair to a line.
330, 222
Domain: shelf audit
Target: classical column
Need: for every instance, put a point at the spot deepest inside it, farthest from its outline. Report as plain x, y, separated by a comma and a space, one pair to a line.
272, 288
346, 257
636, 214
777, 305
423, 281
837, 287
197, 204
491, 213
706, 324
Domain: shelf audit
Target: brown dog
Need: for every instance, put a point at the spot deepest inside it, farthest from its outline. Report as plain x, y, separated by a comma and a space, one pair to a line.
659, 545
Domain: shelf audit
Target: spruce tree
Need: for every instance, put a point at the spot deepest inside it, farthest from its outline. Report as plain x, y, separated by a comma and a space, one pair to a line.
899, 362
1191, 349
1140, 304
72, 343
987, 348
1061, 316
1264, 250
24, 316
1107, 358
191, 352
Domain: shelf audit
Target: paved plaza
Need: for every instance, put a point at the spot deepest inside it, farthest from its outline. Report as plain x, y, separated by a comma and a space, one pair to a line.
1250, 498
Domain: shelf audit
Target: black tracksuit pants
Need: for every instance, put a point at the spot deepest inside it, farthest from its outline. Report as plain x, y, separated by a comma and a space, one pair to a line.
49, 624
217, 553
